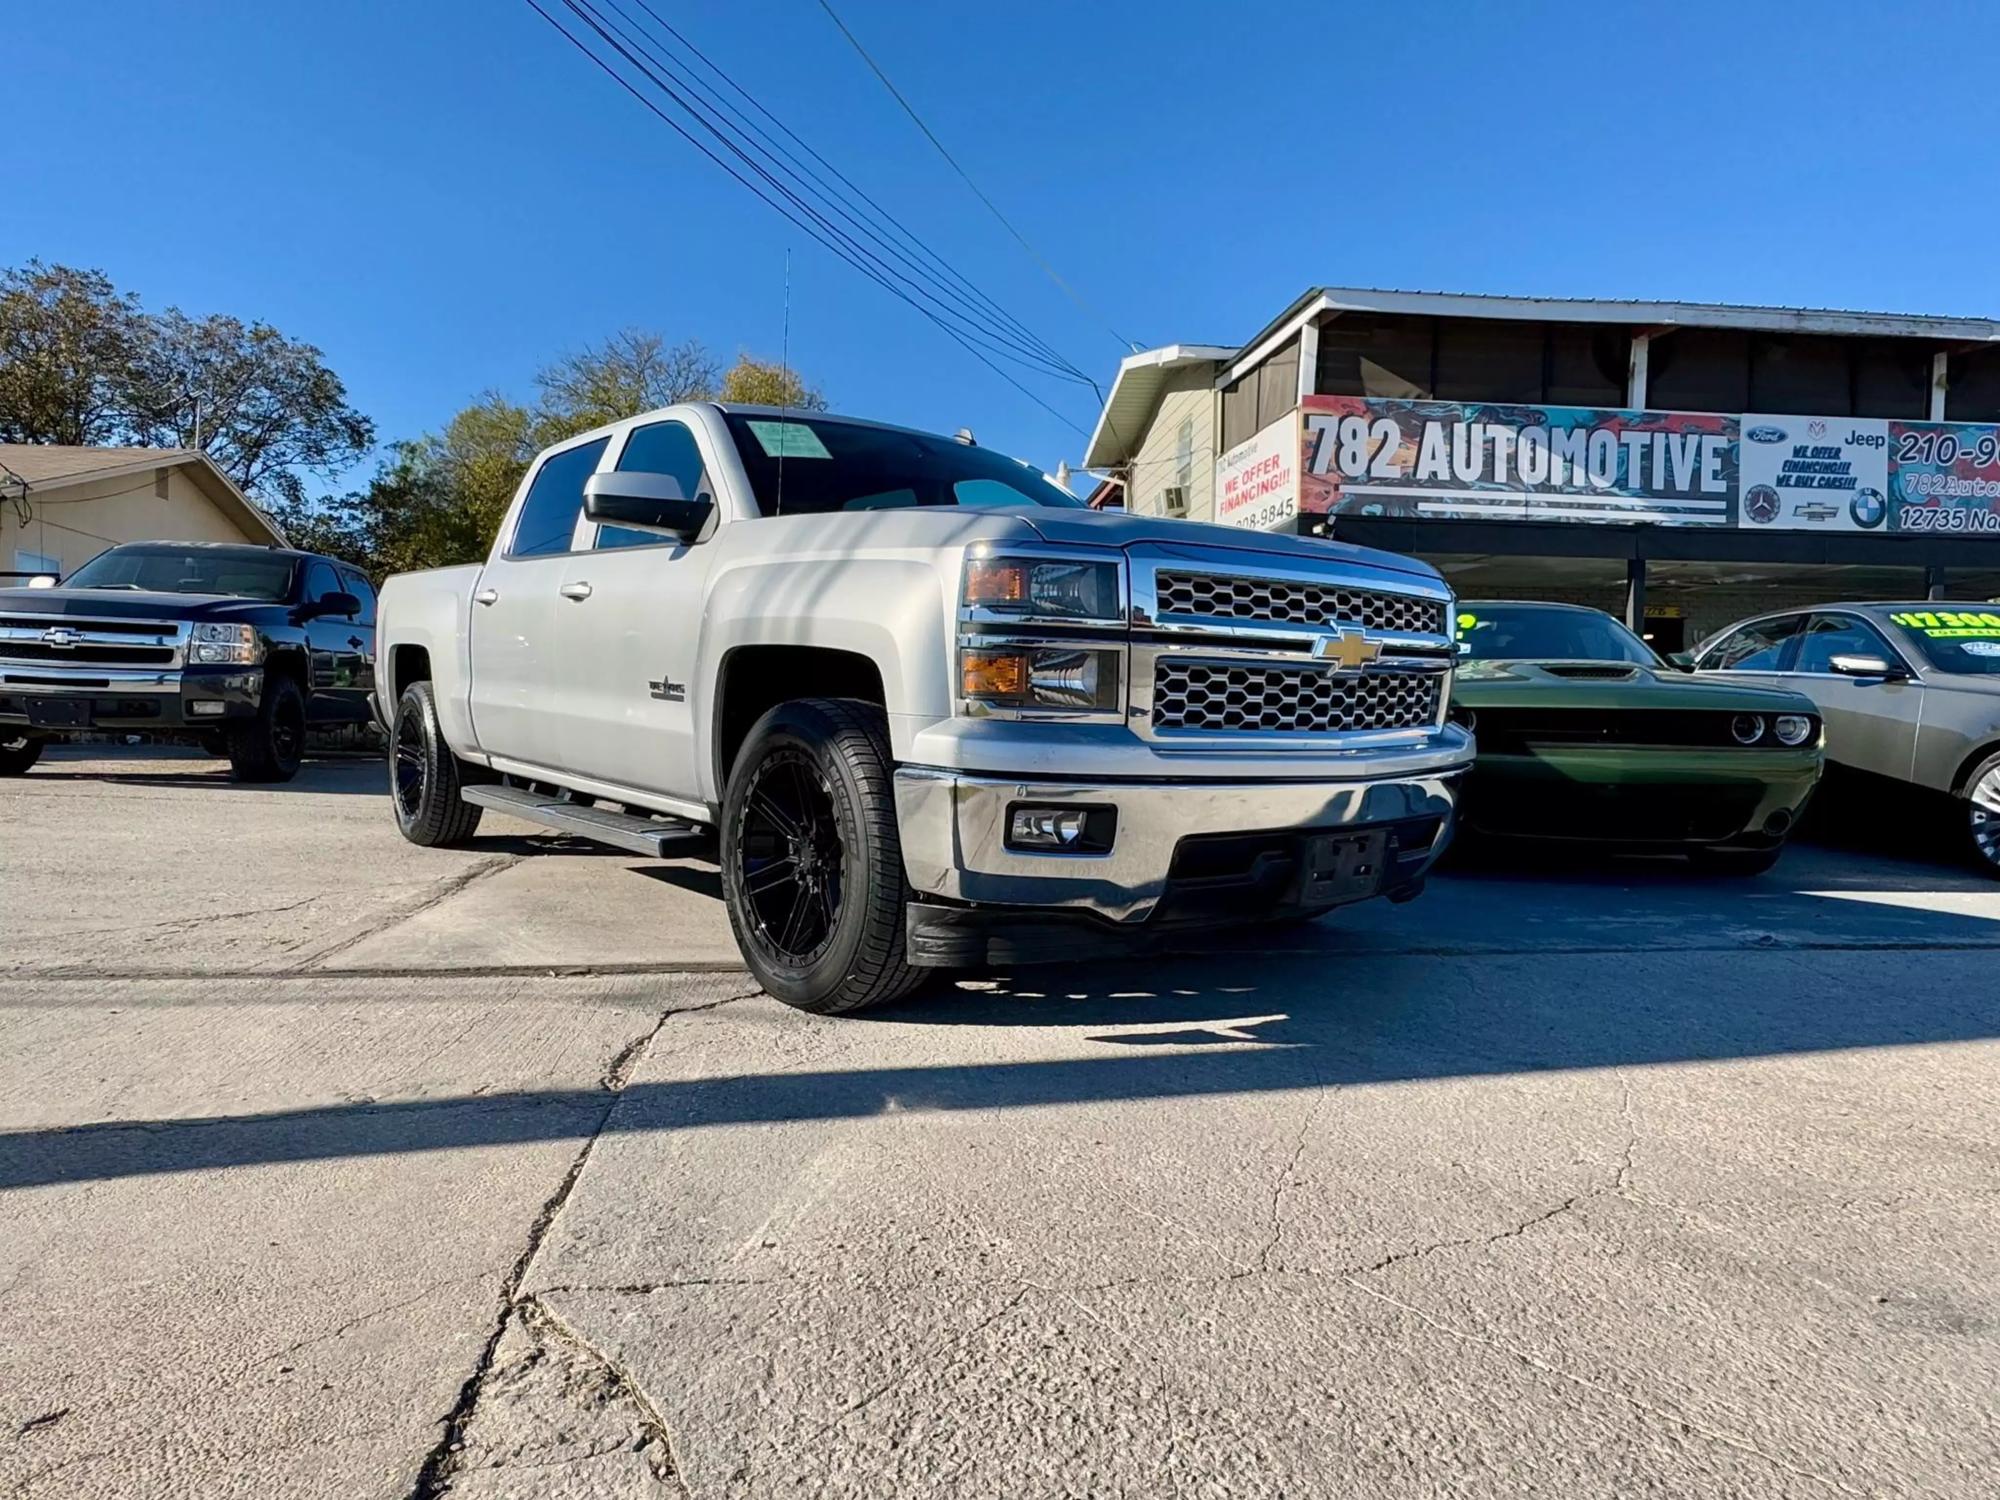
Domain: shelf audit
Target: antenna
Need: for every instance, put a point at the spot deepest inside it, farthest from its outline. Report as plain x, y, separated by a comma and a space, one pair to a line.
784, 378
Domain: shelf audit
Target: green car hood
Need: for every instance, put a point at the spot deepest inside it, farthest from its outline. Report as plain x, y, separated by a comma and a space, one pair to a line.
1600, 684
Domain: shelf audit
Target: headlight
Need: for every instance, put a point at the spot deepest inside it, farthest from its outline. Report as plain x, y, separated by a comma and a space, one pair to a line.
1793, 729
1748, 728
213, 644
1053, 677
1052, 588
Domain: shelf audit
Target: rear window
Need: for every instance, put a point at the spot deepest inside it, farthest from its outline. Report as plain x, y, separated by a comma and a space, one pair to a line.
808, 466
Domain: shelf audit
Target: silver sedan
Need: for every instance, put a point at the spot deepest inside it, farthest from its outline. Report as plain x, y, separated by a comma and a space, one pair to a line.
1908, 691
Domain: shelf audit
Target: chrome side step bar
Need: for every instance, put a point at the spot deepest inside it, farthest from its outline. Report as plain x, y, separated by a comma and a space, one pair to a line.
660, 838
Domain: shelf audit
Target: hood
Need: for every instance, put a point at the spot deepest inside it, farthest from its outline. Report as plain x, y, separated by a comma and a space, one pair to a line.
1602, 684
1111, 528
125, 604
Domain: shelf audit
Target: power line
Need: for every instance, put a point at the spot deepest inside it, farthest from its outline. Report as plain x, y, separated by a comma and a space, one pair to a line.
811, 223
992, 207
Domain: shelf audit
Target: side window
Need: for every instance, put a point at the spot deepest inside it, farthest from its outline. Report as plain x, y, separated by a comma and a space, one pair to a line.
321, 580
1754, 648
1837, 635
555, 499
359, 587
658, 448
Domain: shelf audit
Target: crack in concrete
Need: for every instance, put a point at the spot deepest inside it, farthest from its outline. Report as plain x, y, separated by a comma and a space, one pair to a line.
543, 1321
176, 925
1665, 1413
445, 889
1276, 1218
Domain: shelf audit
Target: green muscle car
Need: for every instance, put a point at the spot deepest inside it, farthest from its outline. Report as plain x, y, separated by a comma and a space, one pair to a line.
1585, 734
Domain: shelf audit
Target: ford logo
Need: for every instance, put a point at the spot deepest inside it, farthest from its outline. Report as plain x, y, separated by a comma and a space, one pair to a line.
1766, 434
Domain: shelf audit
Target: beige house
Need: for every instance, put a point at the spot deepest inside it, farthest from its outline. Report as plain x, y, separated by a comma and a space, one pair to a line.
60, 507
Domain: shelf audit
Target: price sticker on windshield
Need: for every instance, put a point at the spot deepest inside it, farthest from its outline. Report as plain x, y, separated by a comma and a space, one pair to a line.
1950, 624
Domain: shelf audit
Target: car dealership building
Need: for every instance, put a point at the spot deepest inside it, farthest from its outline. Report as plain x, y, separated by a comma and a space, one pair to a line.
1679, 464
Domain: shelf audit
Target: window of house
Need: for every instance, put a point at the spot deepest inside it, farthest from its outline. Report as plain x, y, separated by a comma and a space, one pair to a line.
548, 516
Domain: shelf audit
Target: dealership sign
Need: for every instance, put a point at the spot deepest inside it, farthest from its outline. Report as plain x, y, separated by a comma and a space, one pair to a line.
1758, 471
1257, 483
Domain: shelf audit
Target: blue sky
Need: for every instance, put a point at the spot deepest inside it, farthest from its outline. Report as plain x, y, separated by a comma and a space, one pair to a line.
443, 195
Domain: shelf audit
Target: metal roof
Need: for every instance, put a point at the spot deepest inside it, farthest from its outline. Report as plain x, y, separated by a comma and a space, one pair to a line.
1134, 392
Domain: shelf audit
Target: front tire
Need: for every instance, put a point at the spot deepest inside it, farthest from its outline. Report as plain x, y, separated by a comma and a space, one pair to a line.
425, 777
1741, 863
1982, 814
271, 746
812, 865
18, 754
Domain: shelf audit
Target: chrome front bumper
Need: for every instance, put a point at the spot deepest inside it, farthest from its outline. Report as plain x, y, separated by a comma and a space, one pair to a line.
954, 825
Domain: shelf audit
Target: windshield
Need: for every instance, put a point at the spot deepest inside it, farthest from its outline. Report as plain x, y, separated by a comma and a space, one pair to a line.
1513, 632
808, 465
188, 570
1953, 640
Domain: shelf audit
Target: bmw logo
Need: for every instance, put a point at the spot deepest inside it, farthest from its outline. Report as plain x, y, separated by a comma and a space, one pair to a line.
1761, 504
1766, 434
1868, 508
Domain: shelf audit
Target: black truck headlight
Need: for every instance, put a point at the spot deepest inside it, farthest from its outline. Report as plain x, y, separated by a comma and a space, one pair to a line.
1044, 588
215, 644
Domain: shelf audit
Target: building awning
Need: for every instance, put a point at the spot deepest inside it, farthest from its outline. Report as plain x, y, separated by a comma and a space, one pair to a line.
1128, 410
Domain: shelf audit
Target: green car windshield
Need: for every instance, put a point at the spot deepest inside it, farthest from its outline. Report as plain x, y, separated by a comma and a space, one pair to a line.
1953, 640
1528, 632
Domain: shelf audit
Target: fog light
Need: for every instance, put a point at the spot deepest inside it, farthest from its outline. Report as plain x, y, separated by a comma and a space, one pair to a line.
1793, 729
1061, 830
1748, 728
204, 708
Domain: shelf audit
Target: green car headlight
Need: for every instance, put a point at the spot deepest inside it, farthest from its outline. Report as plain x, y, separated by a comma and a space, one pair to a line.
1792, 729
1747, 728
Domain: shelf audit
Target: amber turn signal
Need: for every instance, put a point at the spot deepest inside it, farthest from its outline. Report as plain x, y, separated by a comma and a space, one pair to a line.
994, 674
994, 583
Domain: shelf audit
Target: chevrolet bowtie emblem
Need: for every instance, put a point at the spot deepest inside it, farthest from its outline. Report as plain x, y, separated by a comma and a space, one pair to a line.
61, 637
1349, 650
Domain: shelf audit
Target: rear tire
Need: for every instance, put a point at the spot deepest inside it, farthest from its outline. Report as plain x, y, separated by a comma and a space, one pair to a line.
425, 778
18, 754
812, 864
1982, 814
1735, 862
271, 746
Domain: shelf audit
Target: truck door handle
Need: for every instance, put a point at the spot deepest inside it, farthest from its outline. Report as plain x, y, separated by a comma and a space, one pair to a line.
486, 596
577, 591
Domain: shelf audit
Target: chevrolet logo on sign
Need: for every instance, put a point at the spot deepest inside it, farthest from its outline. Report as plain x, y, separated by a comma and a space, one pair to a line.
1349, 650
61, 637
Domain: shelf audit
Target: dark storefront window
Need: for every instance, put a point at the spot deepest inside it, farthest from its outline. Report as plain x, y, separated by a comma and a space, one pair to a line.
1699, 369
1974, 392
1720, 369
1473, 359
1260, 397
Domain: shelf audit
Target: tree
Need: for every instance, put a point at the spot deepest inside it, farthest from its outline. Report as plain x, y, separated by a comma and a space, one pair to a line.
757, 382
266, 408
631, 372
440, 498
68, 339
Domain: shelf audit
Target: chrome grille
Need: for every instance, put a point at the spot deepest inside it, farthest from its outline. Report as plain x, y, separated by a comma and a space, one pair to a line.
63, 640
1227, 597
1280, 699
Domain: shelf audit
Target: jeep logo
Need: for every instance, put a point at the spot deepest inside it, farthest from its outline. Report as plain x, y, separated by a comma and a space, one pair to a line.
1866, 440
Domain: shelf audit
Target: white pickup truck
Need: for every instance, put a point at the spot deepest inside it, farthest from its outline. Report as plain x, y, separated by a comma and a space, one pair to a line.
927, 709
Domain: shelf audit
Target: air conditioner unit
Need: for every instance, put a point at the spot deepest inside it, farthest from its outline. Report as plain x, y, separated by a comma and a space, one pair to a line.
1173, 500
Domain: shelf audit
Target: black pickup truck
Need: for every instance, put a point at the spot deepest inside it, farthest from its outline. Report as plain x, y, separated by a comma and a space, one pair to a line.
235, 648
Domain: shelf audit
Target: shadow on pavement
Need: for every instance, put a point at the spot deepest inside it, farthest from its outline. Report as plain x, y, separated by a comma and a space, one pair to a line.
1285, 1022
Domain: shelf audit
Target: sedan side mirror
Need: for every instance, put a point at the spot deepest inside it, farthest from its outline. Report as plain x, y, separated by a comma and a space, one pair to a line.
650, 502
1867, 666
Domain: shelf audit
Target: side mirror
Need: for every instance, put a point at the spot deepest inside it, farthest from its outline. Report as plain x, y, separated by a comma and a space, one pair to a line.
1867, 666
42, 581
1682, 659
650, 502
344, 605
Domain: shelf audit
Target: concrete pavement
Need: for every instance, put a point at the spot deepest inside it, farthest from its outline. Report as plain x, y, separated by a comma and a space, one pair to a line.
469, 1173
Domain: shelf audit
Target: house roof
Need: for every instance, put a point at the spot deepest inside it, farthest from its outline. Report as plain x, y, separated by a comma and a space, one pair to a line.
46, 468
1135, 391
1319, 300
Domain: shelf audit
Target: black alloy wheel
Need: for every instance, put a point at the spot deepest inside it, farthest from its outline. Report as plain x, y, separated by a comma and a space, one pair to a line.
18, 753
791, 859
271, 746
812, 861
425, 778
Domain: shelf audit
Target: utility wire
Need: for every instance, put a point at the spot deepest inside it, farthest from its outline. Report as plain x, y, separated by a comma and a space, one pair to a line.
732, 133
805, 223
992, 207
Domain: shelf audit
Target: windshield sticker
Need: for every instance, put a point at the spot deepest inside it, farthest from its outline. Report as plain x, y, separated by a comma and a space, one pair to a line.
788, 440
1466, 622
1950, 624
